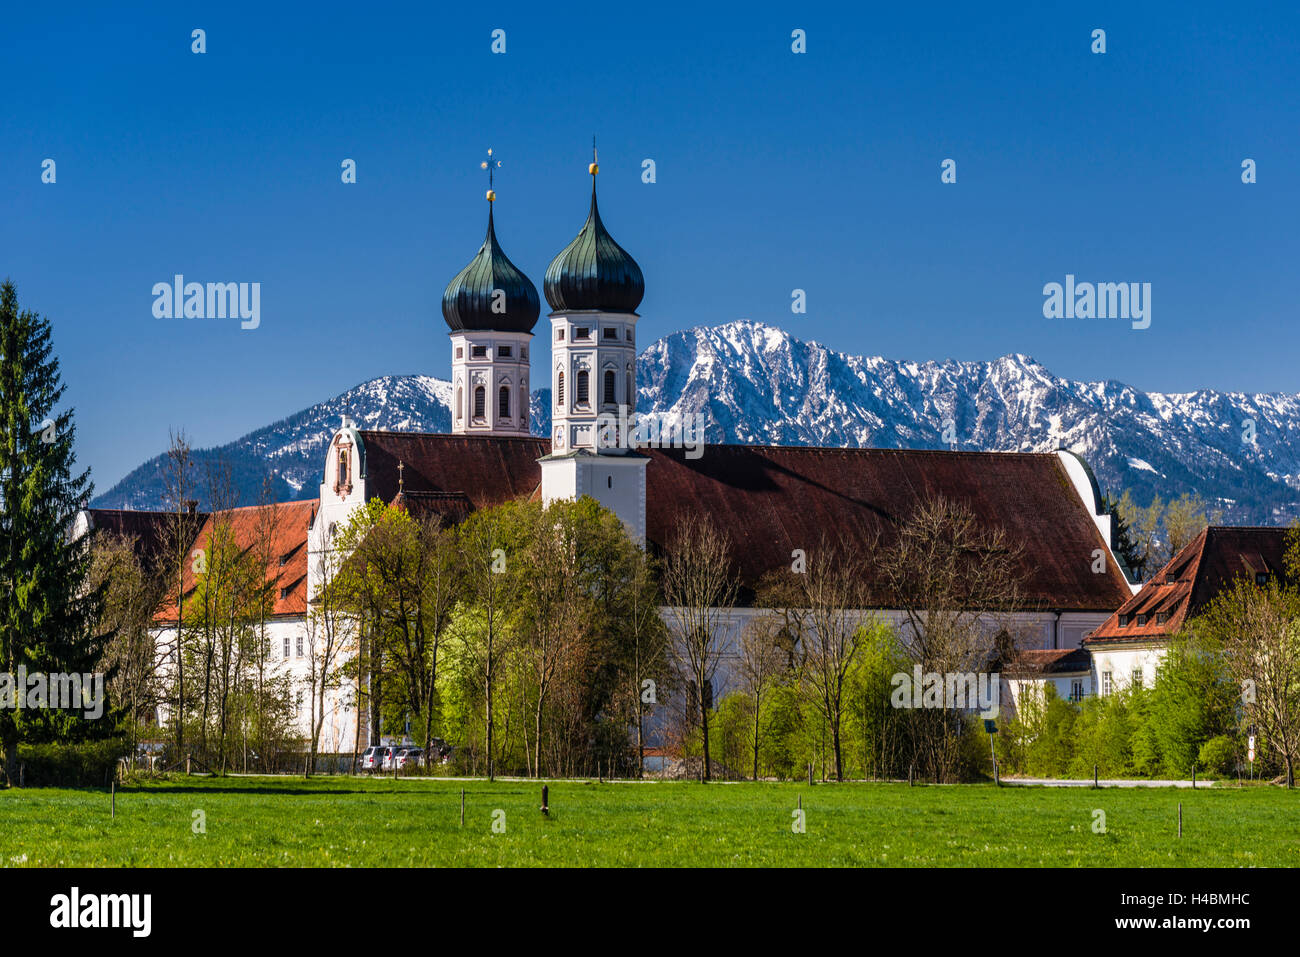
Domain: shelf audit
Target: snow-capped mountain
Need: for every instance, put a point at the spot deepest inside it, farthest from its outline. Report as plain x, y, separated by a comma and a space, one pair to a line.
758, 384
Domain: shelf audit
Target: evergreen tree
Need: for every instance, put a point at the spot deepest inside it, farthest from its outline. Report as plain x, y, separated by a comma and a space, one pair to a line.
1126, 548
46, 610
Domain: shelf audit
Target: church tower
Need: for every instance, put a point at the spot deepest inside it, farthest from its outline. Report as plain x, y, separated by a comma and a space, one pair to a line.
491, 308
594, 288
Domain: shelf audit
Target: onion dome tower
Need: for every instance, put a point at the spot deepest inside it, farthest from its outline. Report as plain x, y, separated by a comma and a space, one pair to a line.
491, 308
594, 287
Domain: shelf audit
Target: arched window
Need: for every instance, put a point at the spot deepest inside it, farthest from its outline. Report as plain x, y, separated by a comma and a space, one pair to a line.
480, 402
503, 403
460, 403
583, 391
559, 391
610, 379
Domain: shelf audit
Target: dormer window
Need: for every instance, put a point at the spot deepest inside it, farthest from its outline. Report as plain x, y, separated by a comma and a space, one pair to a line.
284, 560
1123, 621
1142, 619
1162, 617
1261, 578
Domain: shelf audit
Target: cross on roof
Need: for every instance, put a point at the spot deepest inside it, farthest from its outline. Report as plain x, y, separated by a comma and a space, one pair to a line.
401, 485
491, 165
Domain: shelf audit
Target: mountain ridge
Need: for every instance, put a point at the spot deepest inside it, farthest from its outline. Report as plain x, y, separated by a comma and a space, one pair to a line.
757, 384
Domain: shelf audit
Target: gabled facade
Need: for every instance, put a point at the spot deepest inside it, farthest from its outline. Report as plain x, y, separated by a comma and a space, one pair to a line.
1128, 647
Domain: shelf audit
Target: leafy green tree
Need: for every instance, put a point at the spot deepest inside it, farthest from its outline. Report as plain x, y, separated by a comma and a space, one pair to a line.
1193, 700
46, 610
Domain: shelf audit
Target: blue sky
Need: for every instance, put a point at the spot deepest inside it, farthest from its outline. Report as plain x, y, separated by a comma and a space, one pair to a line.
775, 171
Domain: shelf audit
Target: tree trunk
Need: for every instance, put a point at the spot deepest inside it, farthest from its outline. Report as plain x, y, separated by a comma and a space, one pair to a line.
835, 739
9, 741
704, 720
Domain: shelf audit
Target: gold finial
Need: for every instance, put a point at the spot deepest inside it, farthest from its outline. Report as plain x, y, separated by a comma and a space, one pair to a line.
594, 168
491, 166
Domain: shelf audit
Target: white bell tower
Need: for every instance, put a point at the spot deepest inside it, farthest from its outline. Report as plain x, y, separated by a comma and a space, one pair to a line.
490, 307
594, 288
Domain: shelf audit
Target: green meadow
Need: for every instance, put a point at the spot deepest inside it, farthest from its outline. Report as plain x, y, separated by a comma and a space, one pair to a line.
412, 822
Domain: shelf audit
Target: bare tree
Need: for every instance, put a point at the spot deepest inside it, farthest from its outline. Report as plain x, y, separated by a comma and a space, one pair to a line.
131, 596
700, 586
762, 661
649, 643
1258, 629
834, 598
959, 586
328, 632
555, 607
181, 528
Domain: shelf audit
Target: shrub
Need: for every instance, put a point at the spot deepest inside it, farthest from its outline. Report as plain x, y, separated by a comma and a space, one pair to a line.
89, 764
1219, 755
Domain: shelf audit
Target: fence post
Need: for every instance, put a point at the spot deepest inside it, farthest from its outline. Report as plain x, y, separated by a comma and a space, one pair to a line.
545, 807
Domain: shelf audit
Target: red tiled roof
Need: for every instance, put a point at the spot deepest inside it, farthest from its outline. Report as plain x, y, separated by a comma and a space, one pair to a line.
486, 470
1052, 661
148, 530
289, 522
1189, 581
773, 500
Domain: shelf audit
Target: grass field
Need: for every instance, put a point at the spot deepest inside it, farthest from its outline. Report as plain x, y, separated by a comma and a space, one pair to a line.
339, 821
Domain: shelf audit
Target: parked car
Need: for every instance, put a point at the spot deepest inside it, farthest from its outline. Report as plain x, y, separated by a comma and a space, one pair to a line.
408, 758
372, 759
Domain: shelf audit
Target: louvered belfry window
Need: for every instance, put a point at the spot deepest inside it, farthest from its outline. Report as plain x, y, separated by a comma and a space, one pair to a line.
583, 391
503, 403
609, 387
480, 402
559, 391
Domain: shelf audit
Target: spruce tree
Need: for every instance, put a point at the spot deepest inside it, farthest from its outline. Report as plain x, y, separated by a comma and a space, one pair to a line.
46, 610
